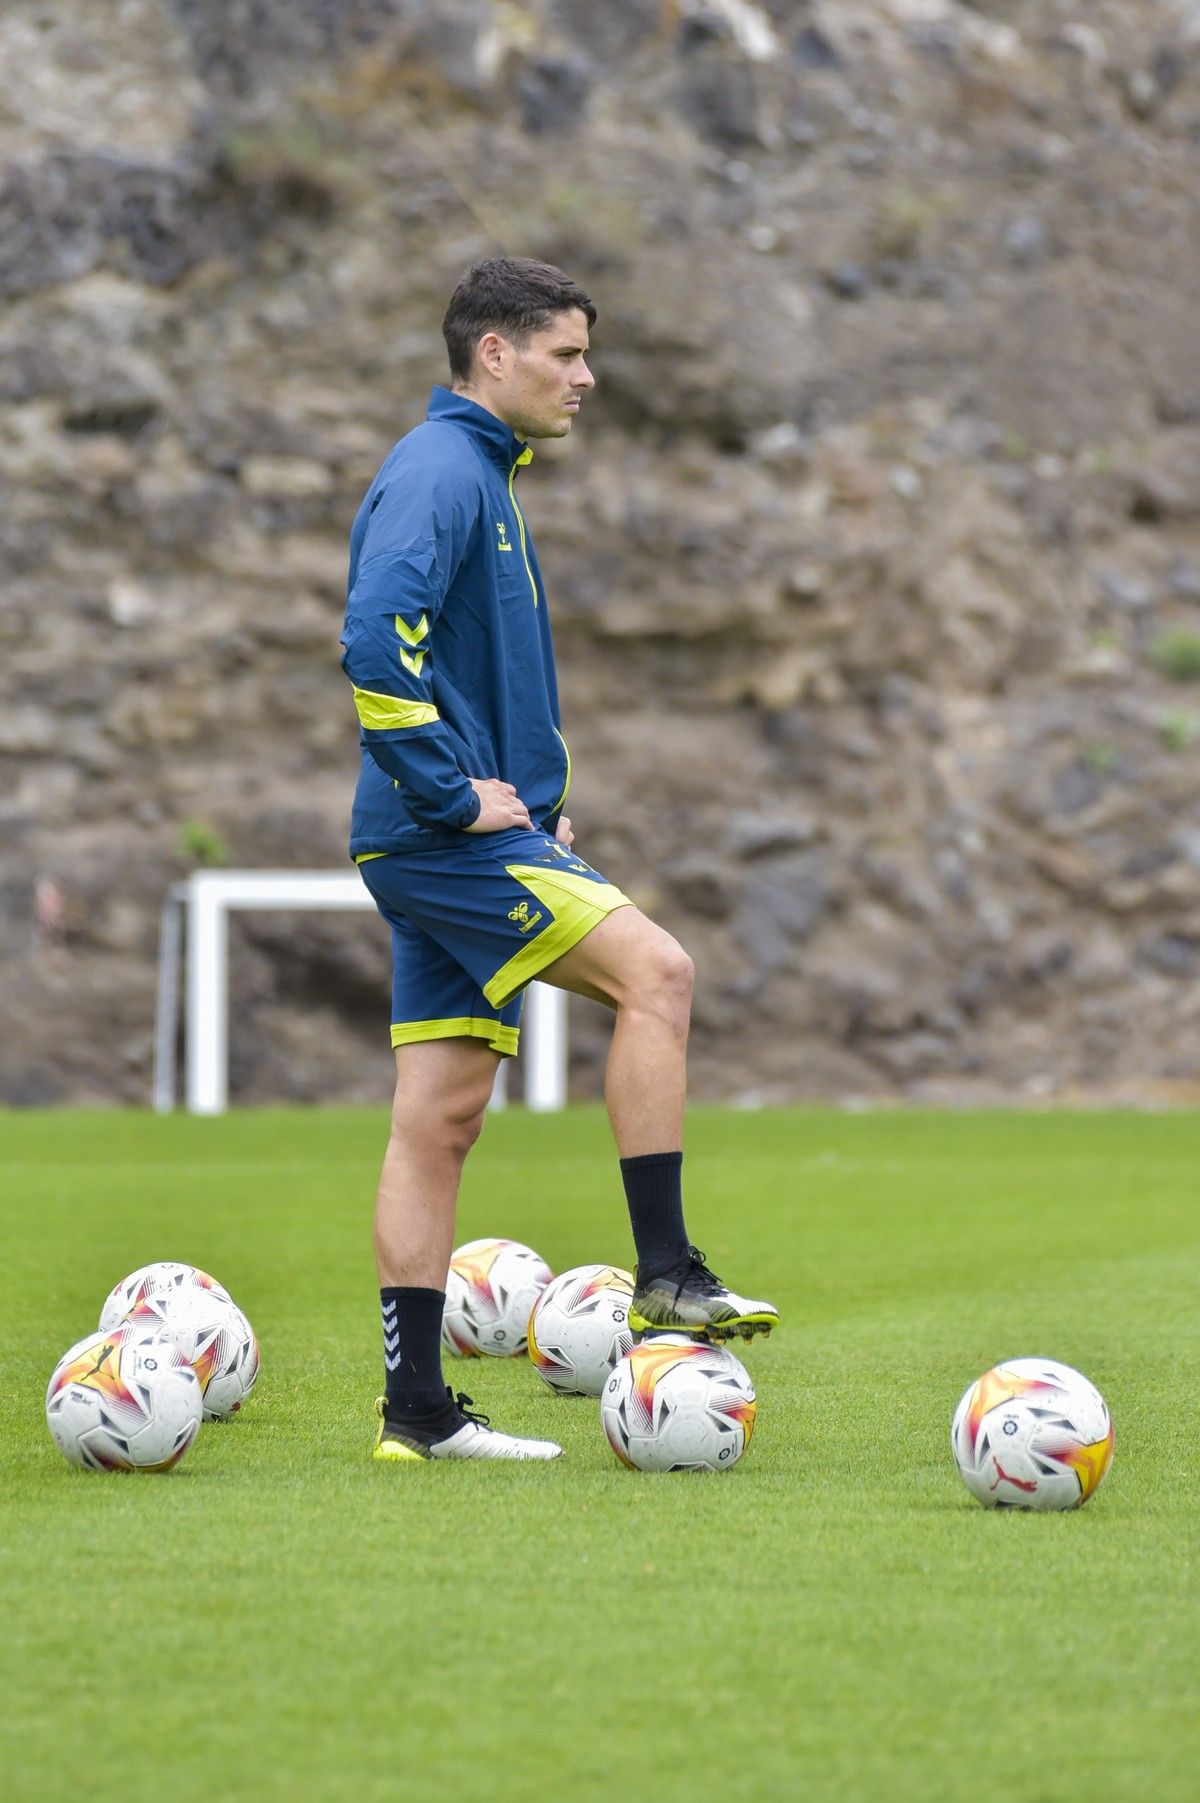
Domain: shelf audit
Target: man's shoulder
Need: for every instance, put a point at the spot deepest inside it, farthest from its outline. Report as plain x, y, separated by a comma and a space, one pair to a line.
436, 450
429, 493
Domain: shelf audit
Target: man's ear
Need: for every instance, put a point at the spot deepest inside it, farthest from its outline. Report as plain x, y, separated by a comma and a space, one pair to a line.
490, 351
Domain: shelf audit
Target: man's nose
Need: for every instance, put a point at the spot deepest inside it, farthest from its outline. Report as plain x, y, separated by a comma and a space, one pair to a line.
585, 378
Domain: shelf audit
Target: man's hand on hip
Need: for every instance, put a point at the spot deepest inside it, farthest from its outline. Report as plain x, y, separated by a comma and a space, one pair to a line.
562, 831
500, 807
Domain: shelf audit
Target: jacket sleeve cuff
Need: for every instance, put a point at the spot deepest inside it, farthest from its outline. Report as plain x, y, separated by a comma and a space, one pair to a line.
470, 812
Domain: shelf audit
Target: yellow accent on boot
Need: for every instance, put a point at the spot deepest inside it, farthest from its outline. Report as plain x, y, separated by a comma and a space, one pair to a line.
392, 1448
734, 1327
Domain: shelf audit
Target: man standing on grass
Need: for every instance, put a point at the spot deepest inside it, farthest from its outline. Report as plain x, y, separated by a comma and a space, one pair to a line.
459, 833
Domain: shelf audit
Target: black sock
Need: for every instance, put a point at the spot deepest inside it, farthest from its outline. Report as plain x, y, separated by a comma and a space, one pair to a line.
412, 1351
654, 1191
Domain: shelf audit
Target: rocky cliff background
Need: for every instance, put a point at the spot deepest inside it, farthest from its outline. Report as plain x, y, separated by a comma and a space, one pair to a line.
875, 561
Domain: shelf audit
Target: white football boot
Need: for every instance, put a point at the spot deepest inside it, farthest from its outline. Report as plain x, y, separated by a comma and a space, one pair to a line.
457, 1433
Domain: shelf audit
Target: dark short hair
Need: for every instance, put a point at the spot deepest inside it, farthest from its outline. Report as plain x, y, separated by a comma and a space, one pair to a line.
512, 295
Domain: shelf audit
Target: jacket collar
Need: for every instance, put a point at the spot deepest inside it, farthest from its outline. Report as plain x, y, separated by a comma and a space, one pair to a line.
499, 441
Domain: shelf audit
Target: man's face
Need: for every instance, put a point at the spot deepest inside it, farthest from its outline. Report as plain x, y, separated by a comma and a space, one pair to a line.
536, 388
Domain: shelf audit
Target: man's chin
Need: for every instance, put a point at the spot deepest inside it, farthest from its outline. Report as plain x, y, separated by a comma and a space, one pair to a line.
558, 428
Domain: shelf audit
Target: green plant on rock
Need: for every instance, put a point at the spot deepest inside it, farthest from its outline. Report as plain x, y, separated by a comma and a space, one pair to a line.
593, 214
285, 147
905, 217
1180, 729
1102, 757
199, 843
1177, 654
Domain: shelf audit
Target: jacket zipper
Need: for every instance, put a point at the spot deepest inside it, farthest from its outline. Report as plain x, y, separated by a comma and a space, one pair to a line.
566, 786
525, 457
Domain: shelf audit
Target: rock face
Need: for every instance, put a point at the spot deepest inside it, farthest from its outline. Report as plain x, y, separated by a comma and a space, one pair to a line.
875, 558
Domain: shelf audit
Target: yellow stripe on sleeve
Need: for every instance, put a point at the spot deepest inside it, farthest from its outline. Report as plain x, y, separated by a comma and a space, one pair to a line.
387, 713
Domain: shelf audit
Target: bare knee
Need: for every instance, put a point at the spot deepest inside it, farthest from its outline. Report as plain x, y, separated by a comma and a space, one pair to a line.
676, 972
450, 1121
664, 982
462, 1123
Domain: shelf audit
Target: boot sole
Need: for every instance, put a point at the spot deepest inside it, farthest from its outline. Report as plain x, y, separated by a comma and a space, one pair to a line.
742, 1327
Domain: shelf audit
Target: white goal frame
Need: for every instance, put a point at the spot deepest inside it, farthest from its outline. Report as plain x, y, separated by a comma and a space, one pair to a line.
202, 906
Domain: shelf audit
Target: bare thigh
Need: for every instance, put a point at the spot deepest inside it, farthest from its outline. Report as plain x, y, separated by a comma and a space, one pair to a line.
618, 959
442, 1079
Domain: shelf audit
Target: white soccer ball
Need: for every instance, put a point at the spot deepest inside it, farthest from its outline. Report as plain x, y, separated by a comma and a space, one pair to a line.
579, 1328
154, 1280
1032, 1434
676, 1404
126, 1400
491, 1288
213, 1335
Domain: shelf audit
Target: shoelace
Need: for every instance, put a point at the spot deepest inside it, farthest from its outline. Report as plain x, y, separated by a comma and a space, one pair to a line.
467, 1409
698, 1276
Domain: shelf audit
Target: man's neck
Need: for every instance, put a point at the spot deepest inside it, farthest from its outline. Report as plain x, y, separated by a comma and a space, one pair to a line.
469, 394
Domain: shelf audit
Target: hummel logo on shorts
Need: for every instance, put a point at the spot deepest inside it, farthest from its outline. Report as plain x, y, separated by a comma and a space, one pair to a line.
523, 917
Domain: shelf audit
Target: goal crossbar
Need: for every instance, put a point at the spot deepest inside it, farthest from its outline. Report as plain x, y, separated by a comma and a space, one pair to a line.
195, 929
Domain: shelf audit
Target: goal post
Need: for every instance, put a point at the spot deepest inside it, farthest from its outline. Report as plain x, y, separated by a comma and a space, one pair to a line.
195, 930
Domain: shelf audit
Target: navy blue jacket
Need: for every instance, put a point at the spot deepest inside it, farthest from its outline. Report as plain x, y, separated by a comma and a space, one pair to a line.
447, 636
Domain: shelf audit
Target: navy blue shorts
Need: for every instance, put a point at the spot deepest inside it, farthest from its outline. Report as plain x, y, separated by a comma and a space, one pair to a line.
473, 922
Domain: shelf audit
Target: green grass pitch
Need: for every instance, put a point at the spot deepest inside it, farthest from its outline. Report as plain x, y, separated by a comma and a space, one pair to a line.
833, 1619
